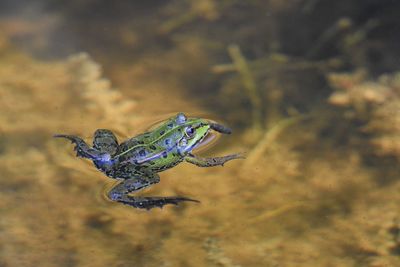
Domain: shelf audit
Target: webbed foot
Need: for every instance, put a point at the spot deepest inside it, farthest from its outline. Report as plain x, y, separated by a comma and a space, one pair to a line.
119, 193
83, 150
153, 202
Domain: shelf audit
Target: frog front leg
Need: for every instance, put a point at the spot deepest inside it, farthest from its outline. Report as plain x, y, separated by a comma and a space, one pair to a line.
120, 193
210, 162
83, 150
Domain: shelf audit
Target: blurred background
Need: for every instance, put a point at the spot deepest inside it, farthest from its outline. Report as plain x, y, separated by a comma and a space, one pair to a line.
311, 89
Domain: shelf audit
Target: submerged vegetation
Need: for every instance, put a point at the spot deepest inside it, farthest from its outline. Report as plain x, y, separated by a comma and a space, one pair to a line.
311, 89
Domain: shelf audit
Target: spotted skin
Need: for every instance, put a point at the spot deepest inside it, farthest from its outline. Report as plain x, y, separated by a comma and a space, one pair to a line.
136, 161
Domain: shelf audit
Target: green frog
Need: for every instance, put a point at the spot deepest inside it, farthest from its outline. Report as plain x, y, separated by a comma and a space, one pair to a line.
136, 161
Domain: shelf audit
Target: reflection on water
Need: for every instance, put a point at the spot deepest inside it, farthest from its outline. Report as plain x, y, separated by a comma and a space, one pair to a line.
311, 90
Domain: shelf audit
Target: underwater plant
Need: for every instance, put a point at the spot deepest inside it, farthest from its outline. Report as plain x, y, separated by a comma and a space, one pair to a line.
374, 103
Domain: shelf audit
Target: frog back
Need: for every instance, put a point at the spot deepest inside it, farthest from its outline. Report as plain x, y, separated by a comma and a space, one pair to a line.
150, 136
156, 150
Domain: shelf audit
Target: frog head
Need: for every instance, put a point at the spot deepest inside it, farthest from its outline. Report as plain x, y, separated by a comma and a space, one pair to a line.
194, 130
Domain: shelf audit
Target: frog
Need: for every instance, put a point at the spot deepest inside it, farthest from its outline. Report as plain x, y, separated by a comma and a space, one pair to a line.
136, 162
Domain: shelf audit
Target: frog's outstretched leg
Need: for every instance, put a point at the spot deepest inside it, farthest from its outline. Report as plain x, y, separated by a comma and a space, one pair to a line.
83, 150
210, 162
152, 202
105, 141
120, 193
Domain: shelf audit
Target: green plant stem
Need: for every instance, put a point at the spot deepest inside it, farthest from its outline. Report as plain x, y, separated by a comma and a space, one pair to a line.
249, 84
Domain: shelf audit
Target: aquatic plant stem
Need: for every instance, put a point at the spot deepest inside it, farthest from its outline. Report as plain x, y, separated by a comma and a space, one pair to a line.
253, 157
328, 36
269, 214
249, 84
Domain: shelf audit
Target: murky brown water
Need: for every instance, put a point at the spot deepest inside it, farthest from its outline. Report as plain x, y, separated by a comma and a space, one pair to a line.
319, 186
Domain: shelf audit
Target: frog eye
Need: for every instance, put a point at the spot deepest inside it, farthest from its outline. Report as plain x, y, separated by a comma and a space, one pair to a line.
189, 131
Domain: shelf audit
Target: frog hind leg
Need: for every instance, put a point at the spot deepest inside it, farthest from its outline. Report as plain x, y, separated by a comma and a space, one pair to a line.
120, 193
83, 150
152, 202
210, 162
105, 141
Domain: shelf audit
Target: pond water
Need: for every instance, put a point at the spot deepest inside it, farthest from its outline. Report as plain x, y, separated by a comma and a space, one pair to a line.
309, 88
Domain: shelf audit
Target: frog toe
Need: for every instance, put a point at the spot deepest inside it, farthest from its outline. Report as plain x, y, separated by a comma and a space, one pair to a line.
153, 202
